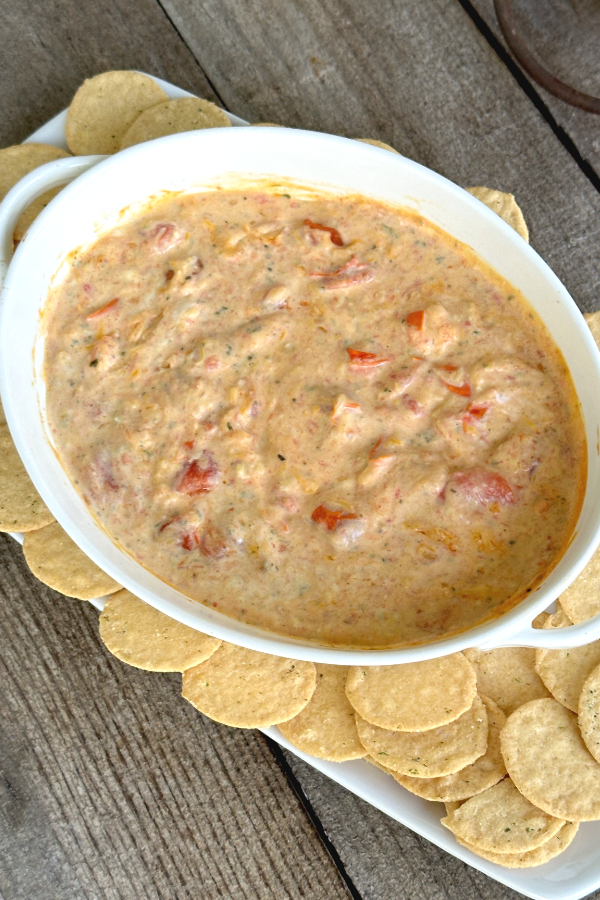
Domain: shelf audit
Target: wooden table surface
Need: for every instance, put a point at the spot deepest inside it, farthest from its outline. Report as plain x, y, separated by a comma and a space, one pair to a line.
112, 786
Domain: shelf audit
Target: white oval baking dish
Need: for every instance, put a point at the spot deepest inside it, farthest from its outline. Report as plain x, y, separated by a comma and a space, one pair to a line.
102, 188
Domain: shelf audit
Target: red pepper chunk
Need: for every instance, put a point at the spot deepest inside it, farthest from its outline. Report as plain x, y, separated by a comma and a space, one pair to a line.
197, 480
476, 411
364, 359
102, 310
463, 390
330, 517
472, 412
212, 542
416, 318
336, 237
483, 486
189, 540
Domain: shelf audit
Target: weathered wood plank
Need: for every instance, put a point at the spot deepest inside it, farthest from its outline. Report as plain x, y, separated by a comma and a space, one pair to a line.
417, 75
383, 858
564, 35
112, 786
49, 48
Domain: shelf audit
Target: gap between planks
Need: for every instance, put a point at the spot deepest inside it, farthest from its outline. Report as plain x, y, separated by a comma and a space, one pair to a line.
529, 88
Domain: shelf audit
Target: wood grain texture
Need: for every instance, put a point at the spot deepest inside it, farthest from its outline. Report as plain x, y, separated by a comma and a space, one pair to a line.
49, 48
417, 75
383, 858
564, 35
112, 786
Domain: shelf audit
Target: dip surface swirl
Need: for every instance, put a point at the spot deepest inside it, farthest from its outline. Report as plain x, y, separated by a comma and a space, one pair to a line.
324, 417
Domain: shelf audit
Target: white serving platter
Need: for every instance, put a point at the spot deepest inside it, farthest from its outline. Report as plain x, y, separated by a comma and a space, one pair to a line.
572, 875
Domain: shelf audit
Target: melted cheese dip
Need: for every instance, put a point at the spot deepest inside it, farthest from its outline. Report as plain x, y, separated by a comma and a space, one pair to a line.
323, 417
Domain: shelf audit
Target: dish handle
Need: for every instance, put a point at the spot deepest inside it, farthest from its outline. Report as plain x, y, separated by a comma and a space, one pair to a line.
51, 175
551, 638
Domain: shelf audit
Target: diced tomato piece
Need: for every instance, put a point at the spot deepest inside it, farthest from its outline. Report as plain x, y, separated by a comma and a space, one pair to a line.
463, 390
164, 236
364, 359
449, 368
472, 412
416, 318
476, 411
412, 404
189, 444
330, 517
189, 540
336, 237
360, 354
483, 486
102, 310
352, 263
212, 542
348, 279
198, 479
350, 274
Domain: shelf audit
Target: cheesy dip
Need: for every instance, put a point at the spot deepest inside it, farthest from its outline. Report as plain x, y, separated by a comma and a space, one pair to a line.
321, 416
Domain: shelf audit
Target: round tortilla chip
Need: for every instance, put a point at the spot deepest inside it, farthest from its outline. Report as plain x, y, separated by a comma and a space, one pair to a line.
21, 507
501, 820
247, 689
326, 727
540, 620
429, 754
104, 108
451, 805
507, 676
557, 619
20, 160
564, 671
414, 696
549, 763
536, 857
58, 562
486, 771
32, 212
377, 764
376, 144
593, 320
141, 636
589, 713
581, 600
173, 117
505, 206
2, 416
